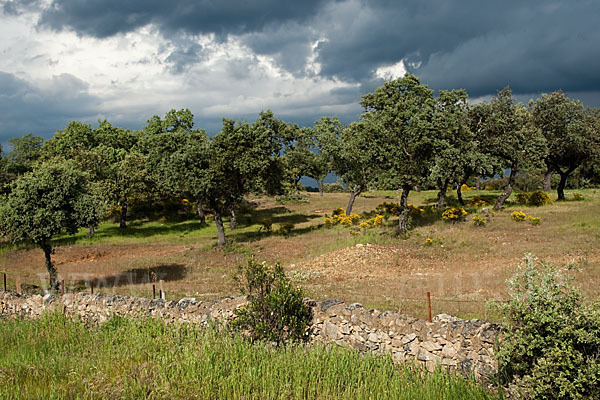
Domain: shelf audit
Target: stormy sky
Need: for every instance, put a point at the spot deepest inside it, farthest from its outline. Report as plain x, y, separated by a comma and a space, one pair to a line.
124, 61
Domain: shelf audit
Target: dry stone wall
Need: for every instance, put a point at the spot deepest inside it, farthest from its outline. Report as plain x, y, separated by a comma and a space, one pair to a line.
467, 346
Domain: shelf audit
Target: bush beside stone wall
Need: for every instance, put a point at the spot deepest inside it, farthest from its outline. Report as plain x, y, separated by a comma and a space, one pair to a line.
466, 346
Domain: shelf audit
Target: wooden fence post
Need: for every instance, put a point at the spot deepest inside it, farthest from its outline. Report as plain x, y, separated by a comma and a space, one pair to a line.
162, 290
429, 306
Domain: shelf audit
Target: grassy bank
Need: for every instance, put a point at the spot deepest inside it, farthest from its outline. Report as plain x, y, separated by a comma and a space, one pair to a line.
60, 358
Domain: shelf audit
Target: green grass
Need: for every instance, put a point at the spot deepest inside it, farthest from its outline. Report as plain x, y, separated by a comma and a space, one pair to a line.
60, 358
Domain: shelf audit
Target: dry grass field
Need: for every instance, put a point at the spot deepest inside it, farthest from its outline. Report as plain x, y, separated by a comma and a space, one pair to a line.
464, 266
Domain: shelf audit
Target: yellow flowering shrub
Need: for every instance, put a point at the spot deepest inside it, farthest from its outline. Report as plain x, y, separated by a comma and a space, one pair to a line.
414, 211
388, 208
518, 216
347, 220
479, 221
454, 214
478, 201
340, 218
338, 211
376, 220
466, 187
355, 218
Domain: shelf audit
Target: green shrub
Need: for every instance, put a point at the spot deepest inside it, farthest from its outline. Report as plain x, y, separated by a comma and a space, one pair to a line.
266, 226
333, 188
479, 221
533, 199
495, 184
285, 229
290, 198
522, 198
577, 197
551, 346
388, 209
276, 311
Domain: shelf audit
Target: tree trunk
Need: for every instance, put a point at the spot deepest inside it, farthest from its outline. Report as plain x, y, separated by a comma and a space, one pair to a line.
548, 179
478, 185
441, 197
91, 231
320, 184
355, 193
220, 230
461, 201
123, 218
560, 190
403, 218
50, 267
507, 190
201, 213
233, 220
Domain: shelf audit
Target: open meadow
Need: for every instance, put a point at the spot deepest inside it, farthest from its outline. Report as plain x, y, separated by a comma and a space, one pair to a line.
462, 265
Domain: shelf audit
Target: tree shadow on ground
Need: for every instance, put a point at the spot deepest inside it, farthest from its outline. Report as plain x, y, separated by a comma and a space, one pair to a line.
139, 229
135, 276
252, 236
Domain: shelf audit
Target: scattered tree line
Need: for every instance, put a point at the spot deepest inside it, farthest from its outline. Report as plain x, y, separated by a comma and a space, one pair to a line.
406, 139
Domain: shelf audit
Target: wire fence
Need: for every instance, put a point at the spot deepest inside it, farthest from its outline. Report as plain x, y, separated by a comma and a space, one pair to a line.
421, 307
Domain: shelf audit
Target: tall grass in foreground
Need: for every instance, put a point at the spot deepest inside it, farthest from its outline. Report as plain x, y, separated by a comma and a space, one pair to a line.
57, 357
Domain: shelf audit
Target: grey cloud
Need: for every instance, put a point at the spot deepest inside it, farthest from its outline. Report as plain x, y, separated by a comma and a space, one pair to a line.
185, 55
542, 56
18, 7
41, 111
290, 45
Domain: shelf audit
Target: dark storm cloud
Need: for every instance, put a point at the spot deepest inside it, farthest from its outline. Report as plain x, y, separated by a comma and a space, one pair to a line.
42, 111
480, 46
222, 17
